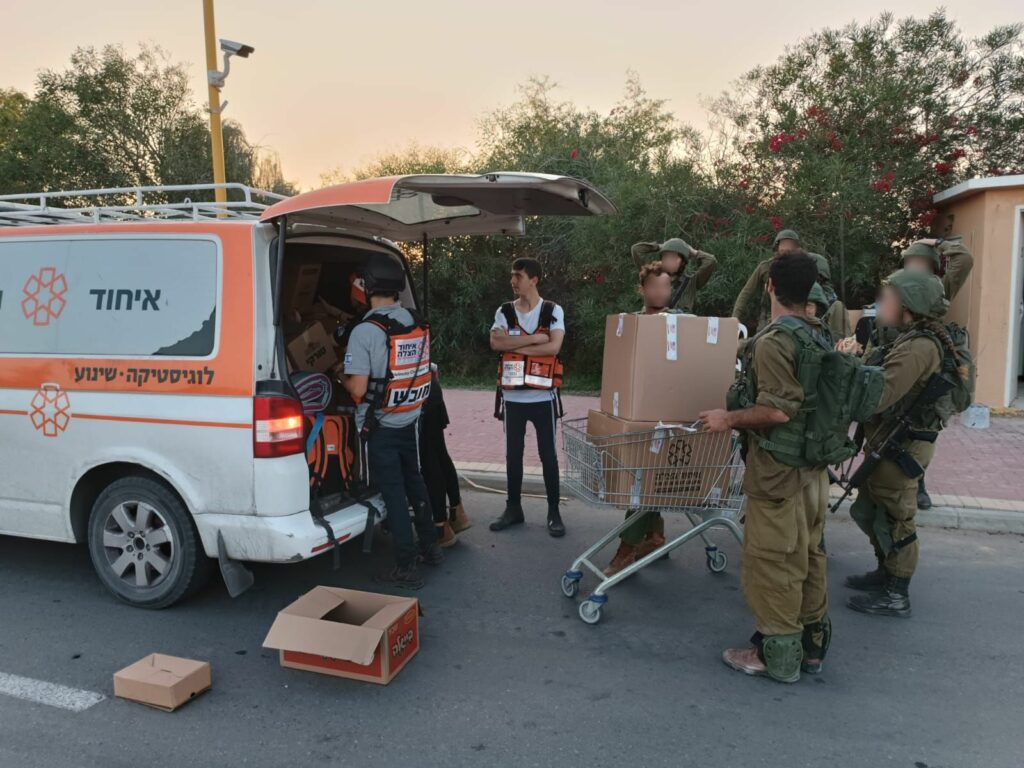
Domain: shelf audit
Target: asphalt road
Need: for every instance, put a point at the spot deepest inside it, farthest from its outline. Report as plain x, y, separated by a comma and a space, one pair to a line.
509, 675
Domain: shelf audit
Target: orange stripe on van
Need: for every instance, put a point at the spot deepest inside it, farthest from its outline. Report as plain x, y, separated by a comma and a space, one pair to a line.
173, 422
13, 413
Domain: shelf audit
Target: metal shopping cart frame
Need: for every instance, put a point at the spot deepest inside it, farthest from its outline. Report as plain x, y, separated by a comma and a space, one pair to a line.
673, 468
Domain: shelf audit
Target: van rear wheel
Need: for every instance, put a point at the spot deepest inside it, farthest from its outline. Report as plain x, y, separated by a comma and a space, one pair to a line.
143, 544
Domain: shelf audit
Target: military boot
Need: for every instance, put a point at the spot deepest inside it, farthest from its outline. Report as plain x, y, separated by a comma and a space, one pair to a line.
513, 515
653, 540
816, 639
872, 581
625, 555
924, 501
891, 600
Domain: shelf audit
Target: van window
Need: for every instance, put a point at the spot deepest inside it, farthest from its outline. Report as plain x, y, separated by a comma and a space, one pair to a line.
117, 296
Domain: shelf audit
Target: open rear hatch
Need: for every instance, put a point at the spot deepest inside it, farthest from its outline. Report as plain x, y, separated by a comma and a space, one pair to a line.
404, 208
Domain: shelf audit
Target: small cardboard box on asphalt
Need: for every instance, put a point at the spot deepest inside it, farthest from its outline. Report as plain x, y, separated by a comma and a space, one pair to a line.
654, 464
299, 284
313, 349
667, 367
346, 633
164, 682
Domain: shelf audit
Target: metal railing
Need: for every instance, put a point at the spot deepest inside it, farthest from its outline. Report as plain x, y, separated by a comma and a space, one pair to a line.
133, 204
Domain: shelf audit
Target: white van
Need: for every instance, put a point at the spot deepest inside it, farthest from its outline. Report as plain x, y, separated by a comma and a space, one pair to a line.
145, 398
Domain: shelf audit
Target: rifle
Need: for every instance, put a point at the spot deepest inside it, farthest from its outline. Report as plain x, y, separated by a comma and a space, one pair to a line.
892, 447
677, 294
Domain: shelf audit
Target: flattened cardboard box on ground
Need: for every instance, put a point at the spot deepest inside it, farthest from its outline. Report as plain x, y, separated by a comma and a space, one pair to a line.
647, 464
313, 350
346, 633
164, 682
667, 367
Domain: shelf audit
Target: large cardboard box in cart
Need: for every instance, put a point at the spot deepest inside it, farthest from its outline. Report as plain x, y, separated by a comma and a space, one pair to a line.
655, 464
346, 633
667, 367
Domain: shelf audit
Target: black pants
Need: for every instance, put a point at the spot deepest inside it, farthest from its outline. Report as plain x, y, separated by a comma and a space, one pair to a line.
439, 471
543, 416
393, 461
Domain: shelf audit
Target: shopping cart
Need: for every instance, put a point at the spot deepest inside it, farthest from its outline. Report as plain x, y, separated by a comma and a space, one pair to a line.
676, 469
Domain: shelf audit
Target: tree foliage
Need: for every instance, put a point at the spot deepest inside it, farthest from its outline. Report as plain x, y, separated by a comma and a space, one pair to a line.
114, 120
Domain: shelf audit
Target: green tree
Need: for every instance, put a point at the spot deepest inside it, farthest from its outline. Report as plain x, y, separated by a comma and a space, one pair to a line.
850, 133
114, 120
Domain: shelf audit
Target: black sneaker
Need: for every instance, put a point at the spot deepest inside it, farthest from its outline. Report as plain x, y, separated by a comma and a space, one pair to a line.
432, 555
556, 527
513, 515
403, 577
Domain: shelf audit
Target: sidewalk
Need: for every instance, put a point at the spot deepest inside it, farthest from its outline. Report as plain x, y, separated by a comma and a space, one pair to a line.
981, 469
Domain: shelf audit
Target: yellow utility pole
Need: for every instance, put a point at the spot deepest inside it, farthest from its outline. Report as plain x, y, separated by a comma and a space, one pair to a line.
216, 134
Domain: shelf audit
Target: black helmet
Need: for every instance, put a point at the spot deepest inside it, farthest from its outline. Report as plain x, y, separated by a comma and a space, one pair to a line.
382, 274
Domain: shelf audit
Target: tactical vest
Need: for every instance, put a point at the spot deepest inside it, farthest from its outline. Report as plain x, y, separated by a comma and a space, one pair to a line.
838, 389
405, 385
932, 417
516, 371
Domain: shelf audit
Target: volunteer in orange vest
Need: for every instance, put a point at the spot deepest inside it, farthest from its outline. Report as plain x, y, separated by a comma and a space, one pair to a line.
528, 332
387, 372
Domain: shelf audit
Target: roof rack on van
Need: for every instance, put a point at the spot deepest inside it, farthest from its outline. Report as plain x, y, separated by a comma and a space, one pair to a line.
131, 204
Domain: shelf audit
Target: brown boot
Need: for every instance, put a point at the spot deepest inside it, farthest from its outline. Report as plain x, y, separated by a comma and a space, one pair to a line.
745, 660
457, 515
653, 540
625, 556
446, 536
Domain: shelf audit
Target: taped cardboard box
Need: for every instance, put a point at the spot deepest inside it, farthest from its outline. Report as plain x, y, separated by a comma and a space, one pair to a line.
667, 367
163, 682
299, 285
652, 464
346, 633
313, 350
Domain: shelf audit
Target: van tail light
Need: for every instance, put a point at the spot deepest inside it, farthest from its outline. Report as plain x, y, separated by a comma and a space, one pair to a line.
278, 428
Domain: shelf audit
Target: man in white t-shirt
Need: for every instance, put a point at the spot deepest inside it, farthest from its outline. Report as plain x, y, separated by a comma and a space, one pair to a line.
528, 332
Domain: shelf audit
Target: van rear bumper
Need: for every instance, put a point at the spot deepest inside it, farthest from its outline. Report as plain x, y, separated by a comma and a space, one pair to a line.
285, 539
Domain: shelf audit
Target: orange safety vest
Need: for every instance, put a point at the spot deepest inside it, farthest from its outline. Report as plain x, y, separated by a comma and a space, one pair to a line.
405, 385
517, 371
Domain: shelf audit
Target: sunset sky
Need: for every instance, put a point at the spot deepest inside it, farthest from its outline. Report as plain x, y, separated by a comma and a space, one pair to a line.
334, 83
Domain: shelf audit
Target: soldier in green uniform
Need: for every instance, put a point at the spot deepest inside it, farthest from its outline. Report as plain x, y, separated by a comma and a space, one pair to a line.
689, 269
911, 301
784, 561
752, 307
648, 532
835, 316
927, 256
817, 307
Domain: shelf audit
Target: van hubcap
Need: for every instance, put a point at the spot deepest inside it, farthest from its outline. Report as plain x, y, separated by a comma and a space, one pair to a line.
138, 543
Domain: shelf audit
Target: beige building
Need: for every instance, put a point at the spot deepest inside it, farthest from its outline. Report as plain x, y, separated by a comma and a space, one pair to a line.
989, 213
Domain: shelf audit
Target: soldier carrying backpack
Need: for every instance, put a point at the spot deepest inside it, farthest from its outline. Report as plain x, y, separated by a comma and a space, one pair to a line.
914, 302
793, 406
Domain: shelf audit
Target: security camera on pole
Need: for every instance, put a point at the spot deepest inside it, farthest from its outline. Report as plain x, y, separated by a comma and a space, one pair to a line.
215, 81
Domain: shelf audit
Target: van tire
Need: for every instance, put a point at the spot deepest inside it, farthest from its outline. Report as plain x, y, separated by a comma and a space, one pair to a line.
126, 512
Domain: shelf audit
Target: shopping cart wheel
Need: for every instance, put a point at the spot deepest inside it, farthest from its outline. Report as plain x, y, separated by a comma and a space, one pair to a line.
571, 583
716, 560
590, 609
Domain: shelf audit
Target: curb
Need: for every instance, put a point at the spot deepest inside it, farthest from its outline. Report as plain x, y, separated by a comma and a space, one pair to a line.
960, 518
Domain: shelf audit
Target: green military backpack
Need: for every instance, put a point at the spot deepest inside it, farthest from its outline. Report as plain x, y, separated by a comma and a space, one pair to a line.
958, 367
838, 390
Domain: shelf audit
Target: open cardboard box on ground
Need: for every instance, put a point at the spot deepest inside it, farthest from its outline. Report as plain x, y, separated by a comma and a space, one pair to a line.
163, 682
346, 633
644, 464
667, 367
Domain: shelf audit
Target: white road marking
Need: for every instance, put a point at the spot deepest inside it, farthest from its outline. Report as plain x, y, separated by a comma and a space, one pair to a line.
51, 694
